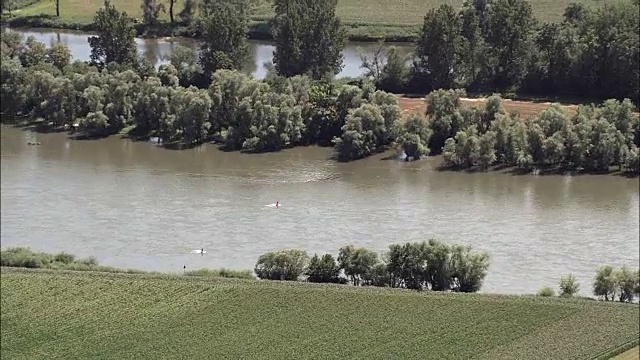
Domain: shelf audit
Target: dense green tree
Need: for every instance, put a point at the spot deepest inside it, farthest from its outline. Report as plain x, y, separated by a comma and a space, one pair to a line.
357, 263
509, 38
281, 265
468, 268
604, 284
309, 38
323, 270
626, 283
437, 50
115, 41
224, 35
12, 89
472, 50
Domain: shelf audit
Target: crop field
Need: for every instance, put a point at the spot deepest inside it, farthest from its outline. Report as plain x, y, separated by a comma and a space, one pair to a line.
352, 12
60, 314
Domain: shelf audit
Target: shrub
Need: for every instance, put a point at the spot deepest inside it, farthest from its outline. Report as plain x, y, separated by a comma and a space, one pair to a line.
24, 257
546, 292
64, 258
568, 285
226, 273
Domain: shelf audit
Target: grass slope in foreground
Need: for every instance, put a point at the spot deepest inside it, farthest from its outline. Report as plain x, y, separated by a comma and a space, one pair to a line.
364, 19
59, 314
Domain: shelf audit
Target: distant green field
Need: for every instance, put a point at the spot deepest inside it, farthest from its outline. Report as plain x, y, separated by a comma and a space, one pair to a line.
364, 18
48, 314
371, 12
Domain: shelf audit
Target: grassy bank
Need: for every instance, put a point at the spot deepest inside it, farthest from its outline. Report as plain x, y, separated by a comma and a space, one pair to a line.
61, 314
633, 354
26, 258
367, 20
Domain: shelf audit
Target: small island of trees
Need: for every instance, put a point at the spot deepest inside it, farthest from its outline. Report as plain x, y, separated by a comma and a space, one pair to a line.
202, 98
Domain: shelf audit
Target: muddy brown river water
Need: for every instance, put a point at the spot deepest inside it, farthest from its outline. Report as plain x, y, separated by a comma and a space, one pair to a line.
136, 205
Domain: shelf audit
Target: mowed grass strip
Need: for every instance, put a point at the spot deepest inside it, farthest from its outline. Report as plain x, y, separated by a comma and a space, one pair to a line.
633, 354
352, 12
61, 314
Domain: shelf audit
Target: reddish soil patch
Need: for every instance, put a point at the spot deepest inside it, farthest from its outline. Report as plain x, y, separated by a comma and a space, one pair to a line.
524, 108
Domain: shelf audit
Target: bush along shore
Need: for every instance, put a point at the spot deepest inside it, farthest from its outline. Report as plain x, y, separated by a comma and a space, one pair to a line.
427, 265
20, 257
42, 87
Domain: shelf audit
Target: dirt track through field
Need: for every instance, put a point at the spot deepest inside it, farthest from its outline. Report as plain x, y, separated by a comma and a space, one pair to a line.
524, 108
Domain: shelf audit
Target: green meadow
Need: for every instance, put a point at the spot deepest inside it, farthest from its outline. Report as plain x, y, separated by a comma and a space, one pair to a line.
364, 19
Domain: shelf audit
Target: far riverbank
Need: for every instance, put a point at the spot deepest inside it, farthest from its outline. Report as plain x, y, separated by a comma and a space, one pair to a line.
258, 29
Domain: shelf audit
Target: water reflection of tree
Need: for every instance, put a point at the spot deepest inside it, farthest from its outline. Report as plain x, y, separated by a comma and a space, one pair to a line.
151, 51
250, 63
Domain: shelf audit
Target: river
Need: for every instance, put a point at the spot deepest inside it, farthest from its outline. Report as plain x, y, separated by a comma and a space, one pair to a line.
158, 50
132, 204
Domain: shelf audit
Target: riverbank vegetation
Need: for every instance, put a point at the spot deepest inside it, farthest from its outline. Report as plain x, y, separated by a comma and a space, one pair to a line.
196, 100
363, 20
428, 265
151, 316
19, 257
609, 284
593, 53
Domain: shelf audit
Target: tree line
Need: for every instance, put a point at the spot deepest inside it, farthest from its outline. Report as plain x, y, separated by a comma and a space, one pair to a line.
197, 99
426, 265
498, 46
594, 139
609, 284
486, 46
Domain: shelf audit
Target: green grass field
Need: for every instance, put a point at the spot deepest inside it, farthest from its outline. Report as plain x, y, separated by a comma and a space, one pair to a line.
58, 314
364, 18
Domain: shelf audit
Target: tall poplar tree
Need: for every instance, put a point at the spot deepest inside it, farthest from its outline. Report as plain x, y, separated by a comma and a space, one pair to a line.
309, 38
224, 35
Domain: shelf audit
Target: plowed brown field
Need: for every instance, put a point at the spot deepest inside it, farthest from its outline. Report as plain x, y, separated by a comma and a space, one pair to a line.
524, 108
